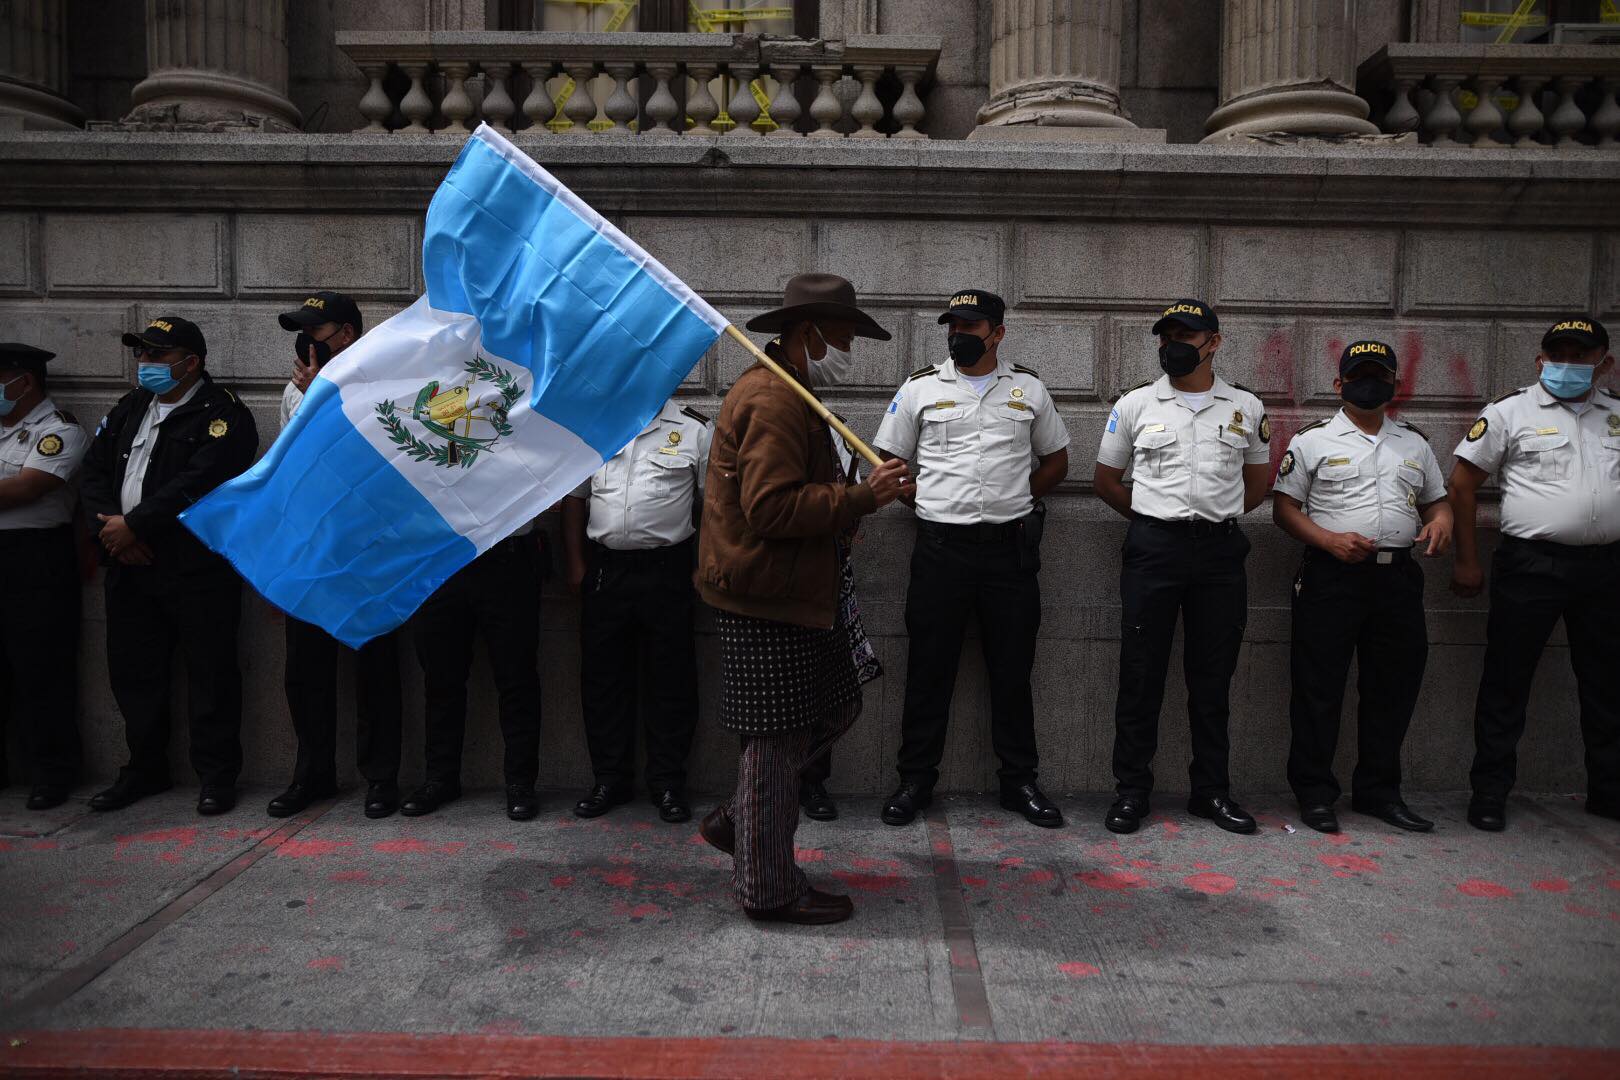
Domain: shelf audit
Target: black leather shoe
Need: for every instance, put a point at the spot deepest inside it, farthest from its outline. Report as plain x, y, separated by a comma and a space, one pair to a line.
817, 804
127, 789
1126, 814
47, 796
216, 800
1222, 811
673, 807
382, 799
1319, 816
429, 797
814, 908
600, 800
1393, 813
719, 831
1487, 813
1031, 801
908, 800
299, 796
522, 804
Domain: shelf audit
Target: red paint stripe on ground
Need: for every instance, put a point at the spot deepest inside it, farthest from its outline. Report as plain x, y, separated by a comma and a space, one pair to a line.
76, 978
262, 1055
967, 981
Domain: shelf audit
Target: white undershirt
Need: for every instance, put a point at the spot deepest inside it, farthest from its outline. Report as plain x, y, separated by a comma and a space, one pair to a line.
979, 383
1195, 402
140, 451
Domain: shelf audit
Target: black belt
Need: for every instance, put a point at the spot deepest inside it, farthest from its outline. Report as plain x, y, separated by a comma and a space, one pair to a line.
1196, 527
1568, 551
669, 553
980, 532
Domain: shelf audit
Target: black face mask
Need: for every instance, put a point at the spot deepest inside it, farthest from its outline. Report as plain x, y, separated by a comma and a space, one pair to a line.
966, 349
323, 351
1178, 358
1368, 392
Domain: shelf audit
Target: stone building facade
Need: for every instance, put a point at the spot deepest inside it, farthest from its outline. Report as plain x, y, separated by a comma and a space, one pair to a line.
1319, 171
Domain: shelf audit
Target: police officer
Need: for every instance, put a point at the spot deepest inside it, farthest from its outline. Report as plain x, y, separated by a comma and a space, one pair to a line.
496, 596
165, 445
41, 449
1361, 491
326, 324
627, 533
1197, 449
1555, 448
986, 443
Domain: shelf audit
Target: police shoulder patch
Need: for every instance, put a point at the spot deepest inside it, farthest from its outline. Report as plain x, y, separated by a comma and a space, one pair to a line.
1021, 369
1414, 429
218, 428
1133, 389
1477, 432
1265, 428
922, 372
1287, 465
49, 446
695, 415
1510, 393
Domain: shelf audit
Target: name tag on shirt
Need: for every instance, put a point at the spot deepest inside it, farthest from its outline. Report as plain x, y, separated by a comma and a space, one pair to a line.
942, 405
1019, 405
1337, 461
1412, 465
1547, 431
1152, 427
670, 450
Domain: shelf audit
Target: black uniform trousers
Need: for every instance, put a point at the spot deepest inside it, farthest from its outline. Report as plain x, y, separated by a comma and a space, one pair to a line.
635, 615
1534, 583
39, 653
1375, 612
1194, 569
819, 771
496, 596
311, 684
151, 615
955, 575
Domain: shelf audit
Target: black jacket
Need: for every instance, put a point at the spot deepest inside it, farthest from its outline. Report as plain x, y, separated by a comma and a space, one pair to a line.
200, 445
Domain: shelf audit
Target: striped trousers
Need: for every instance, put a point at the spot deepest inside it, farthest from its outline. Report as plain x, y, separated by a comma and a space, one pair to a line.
764, 810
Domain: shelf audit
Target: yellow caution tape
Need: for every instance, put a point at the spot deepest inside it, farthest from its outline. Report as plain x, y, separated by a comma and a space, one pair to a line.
1498, 18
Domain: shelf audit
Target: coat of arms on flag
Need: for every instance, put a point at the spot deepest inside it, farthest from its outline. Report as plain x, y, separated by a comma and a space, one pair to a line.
482, 417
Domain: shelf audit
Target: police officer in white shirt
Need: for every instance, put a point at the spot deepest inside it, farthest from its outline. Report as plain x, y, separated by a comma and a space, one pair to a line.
628, 538
1196, 446
1555, 449
41, 450
986, 443
327, 323
1361, 491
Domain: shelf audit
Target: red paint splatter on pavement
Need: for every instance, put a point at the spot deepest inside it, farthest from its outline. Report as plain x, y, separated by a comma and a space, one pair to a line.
1202, 866
181, 838
326, 963
310, 849
1550, 885
975, 882
1112, 880
639, 911
877, 866
501, 845
1039, 877
357, 877
619, 879
1581, 909
1336, 839
870, 883
1170, 828
5, 845
1142, 864
1349, 865
1280, 882
1488, 890
1011, 861
411, 845
43, 845
562, 881
1076, 969
1210, 884
809, 855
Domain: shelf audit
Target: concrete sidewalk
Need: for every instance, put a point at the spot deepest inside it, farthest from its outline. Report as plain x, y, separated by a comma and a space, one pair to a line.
970, 928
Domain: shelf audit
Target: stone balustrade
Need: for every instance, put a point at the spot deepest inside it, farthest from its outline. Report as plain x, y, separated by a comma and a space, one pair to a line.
648, 85
1496, 95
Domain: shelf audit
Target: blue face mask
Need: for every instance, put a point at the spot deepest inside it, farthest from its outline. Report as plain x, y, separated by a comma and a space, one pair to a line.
6, 402
1566, 380
158, 378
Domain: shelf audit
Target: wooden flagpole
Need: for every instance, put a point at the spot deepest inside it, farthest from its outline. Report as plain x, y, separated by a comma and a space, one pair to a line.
804, 392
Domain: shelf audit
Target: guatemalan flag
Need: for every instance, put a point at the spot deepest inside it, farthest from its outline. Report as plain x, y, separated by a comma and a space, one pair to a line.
547, 340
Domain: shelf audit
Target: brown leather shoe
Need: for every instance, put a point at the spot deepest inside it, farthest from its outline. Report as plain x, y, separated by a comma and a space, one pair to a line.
718, 830
814, 908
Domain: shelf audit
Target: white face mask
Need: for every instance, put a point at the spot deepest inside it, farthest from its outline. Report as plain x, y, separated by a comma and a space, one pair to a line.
835, 355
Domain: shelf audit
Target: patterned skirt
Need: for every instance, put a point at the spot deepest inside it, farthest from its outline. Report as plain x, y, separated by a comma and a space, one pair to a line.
777, 677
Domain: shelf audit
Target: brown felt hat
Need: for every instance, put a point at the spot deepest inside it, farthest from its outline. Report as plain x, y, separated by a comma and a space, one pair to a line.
810, 296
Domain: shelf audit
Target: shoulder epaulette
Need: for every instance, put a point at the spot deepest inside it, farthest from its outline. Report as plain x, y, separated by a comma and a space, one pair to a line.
66, 417
1419, 432
227, 392
920, 372
1606, 392
695, 415
1504, 397
1240, 386
1131, 390
1026, 371
1312, 426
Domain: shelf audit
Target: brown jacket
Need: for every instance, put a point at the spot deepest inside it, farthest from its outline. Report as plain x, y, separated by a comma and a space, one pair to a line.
773, 502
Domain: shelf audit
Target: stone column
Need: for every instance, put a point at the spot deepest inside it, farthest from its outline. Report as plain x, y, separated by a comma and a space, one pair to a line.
1286, 66
1054, 64
33, 65
215, 64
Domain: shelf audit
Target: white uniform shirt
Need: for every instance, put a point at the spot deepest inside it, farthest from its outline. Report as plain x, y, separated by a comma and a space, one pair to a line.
291, 398
51, 441
1348, 484
972, 455
1186, 465
1559, 470
643, 497
140, 451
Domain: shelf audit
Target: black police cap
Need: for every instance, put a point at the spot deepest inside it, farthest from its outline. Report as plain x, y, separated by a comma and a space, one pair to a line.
1581, 329
975, 304
1366, 352
170, 332
14, 354
323, 307
1193, 313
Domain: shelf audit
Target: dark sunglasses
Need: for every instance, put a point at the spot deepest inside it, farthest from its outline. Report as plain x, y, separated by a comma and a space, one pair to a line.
155, 352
